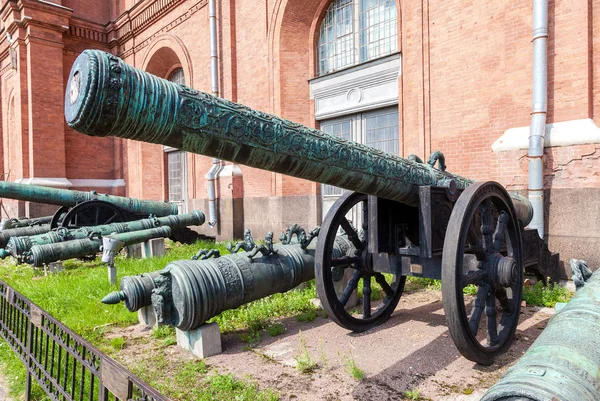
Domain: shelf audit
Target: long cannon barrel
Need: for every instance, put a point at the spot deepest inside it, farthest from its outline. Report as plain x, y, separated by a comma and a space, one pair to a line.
7, 235
17, 246
7, 224
563, 364
107, 97
67, 197
40, 255
187, 293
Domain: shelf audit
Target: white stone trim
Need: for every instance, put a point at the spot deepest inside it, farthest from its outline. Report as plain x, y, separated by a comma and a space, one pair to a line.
364, 87
65, 183
566, 133
46, 182
93, 183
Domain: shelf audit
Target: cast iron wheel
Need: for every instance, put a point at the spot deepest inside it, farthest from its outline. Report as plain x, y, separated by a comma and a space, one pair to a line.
93, 213
482, 251
57, 217
331, 264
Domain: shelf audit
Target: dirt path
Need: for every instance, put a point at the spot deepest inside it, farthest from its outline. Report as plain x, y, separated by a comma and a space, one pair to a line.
4, 389
411, 352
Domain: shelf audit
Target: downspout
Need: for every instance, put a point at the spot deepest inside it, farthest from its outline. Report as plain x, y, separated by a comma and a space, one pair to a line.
538, 114
212, 174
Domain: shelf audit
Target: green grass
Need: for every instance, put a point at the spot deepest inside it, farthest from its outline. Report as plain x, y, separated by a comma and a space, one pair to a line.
304, 362
71, 294
194, 380
412, 395
353, 369
546, 296
275, 329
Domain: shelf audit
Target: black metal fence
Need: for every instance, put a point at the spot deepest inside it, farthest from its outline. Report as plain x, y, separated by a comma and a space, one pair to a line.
67, 367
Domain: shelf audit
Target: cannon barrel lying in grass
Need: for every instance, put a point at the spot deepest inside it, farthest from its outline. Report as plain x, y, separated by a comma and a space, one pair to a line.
40, 255
79, 208
404, 207
187, 293
563, 363
17, 246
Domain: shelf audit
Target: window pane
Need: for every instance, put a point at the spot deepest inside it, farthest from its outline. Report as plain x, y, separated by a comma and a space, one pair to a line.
177, 76
336, 37
341, 129
382, 132
378, 29
175, 169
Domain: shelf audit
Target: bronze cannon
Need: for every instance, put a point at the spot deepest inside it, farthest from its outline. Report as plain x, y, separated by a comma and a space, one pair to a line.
413, 218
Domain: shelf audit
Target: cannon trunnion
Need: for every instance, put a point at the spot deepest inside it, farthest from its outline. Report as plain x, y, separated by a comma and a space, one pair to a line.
411, 218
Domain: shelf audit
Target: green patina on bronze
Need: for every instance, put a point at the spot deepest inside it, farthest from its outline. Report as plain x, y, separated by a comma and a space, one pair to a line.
6, 235
18, 245
564, 362
106, 97
40, 255
187, 293
65, 197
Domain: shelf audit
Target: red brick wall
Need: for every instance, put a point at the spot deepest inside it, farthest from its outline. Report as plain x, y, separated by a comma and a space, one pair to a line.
466, 78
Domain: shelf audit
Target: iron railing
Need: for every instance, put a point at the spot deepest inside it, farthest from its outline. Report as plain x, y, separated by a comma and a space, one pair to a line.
66, 366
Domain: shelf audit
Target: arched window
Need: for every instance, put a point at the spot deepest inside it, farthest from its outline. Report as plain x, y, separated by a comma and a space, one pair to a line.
177, 76
355, 31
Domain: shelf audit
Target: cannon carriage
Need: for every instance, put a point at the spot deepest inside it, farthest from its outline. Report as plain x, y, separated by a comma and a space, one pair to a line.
81, 209
415, 219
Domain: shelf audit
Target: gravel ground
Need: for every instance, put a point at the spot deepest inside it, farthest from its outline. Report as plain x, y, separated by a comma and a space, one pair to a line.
411, 355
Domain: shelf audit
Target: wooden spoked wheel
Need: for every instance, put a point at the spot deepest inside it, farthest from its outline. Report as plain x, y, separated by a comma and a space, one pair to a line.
92, 213
482, 272
342, 248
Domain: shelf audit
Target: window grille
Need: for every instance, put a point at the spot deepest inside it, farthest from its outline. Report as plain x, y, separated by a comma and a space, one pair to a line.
356, 31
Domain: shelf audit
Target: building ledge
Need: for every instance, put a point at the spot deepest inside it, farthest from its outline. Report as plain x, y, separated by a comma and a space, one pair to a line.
566, 133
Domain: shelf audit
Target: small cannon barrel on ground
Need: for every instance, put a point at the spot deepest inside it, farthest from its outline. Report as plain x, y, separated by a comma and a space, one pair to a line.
86, 208
17, 246
411, 218
41, 255
563, 363
187, 293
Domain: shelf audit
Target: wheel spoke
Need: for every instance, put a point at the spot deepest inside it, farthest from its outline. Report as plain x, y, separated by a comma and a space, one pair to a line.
473, 277
477, 309
380, 278
490, 312
351, 232
366, 297
97, 216
504, 300
345, 261
500, 230
487, 225
352, 284
112, 218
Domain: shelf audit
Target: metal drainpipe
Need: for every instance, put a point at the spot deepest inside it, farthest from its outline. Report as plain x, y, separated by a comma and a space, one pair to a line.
213, 173
538, 114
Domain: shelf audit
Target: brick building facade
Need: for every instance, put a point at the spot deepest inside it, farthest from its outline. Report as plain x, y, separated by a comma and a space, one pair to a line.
452, 76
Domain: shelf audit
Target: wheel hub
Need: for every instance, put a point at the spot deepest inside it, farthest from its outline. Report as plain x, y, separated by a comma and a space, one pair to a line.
504, 271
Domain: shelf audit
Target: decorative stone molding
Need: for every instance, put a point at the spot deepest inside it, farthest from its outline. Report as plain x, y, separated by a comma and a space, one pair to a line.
65, 183
566, 133
366, 86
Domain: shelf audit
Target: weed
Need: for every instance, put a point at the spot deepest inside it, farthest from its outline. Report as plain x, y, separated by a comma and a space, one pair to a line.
252, 337
162, 332
167, 342
304, 362
308, 316
412, 395
468, 390
117, 343
353, 369
470, 289
546, 296
275, 329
